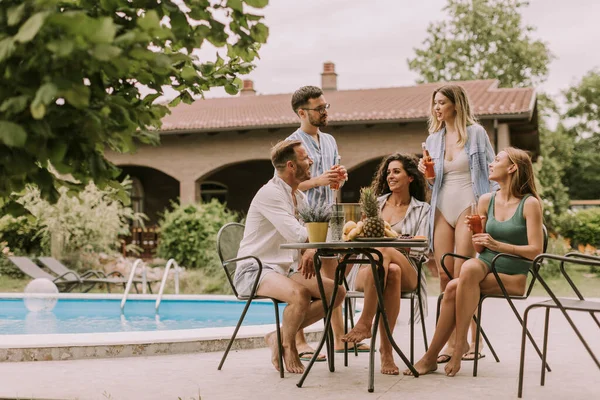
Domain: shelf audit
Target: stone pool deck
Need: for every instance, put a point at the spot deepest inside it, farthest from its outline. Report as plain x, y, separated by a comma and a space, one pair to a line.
62, 347
249, 374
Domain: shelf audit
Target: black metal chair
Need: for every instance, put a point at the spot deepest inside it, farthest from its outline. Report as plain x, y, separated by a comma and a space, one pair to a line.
228, 244
533, 270
412, 295
563, 304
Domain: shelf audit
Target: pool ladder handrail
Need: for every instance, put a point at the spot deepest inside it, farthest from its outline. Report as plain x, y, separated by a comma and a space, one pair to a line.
163, 283
136, 263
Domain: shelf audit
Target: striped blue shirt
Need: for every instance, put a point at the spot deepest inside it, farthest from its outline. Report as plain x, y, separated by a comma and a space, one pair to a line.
323, 155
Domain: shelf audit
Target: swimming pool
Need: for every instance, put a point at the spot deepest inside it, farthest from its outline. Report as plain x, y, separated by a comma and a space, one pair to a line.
91, 326
77, 315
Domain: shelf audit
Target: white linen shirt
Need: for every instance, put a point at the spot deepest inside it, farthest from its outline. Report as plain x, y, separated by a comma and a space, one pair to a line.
271, 222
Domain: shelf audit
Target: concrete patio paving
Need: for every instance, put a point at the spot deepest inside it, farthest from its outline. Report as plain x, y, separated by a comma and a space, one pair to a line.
249, 374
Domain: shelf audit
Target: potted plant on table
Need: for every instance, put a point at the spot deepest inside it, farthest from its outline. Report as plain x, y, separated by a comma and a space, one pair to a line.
316, 219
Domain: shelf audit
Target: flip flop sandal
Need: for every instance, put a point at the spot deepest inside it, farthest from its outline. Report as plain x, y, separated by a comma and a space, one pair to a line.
472, 354
308, 355
444, 358
362, 348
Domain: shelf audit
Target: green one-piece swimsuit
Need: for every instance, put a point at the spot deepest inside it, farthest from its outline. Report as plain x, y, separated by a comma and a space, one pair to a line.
512, 231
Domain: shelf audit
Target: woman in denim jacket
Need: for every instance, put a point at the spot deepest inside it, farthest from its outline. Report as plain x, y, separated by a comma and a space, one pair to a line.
461, 151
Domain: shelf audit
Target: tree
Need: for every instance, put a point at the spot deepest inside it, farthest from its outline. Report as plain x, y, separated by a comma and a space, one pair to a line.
556, 153
583, 102
483, 39
72, 71
583, 109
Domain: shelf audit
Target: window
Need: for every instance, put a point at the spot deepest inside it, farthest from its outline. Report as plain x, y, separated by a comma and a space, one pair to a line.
213, 190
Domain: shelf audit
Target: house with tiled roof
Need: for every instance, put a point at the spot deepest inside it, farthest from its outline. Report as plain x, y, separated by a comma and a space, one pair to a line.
220, 147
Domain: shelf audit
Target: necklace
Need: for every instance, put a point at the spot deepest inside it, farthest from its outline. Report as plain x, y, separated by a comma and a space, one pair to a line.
396, 205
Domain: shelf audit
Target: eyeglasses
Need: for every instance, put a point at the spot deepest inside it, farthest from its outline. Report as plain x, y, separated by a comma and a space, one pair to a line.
321, 110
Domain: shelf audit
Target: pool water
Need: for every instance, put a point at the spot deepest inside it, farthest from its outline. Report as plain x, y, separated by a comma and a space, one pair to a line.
104, 315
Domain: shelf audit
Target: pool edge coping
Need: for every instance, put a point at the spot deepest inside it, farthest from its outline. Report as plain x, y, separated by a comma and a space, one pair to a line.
71, 346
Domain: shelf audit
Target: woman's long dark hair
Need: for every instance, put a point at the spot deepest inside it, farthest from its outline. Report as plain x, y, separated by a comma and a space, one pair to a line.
409, 163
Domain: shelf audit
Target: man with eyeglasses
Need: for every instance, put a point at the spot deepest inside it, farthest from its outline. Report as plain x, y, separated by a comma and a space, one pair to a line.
309, 104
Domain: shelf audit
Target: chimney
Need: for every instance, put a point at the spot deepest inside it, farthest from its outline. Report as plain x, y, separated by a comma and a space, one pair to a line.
328, 77
248, 88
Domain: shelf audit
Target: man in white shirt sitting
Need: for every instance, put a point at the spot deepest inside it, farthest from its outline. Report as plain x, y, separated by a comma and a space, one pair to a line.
271, 222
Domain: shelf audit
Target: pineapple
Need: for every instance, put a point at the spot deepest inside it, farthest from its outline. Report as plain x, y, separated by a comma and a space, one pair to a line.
374, 225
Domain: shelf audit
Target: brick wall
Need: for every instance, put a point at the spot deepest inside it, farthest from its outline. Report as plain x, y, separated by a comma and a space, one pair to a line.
240, 159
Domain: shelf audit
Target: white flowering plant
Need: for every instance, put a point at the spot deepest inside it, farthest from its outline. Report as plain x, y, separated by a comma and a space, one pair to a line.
92, 220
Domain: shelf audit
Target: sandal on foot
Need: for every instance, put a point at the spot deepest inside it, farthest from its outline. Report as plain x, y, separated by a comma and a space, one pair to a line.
470, 356
308, 355
443, 358
360, 348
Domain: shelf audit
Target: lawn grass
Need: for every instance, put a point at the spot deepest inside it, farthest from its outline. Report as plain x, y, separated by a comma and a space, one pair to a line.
193, 282
198, 282
12, 285
586, 282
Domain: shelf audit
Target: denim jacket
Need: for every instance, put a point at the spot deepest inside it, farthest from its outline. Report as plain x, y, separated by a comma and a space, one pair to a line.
480, 153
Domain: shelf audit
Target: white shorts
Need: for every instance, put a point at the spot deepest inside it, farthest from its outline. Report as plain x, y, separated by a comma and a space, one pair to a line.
245, 276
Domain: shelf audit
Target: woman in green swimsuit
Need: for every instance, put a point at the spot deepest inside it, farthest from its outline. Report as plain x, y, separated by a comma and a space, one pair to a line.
513, 225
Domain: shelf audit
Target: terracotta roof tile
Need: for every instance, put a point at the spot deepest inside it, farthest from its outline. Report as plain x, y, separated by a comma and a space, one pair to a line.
347, 106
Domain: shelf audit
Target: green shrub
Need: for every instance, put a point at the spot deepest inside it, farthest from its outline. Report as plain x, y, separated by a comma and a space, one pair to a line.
200, 281
581, 227
22, 235
559, 246
188, 234
7, 268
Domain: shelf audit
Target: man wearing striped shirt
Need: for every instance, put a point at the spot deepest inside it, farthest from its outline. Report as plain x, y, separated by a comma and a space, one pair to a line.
309, 104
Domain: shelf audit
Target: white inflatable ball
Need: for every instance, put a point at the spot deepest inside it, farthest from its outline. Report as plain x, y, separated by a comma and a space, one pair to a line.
40, 295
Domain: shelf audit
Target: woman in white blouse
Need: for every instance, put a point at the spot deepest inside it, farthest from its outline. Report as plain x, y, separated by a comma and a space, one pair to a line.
401, 188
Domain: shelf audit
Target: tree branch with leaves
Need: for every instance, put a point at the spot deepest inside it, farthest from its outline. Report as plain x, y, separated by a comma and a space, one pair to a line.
73, 73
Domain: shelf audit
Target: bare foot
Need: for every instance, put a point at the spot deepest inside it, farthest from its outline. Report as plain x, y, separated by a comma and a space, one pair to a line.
271, 340
453, 365
358, 334
292, 360
388, 366
423, 367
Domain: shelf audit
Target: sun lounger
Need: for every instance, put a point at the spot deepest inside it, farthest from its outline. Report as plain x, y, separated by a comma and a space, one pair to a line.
93, 276
65, 282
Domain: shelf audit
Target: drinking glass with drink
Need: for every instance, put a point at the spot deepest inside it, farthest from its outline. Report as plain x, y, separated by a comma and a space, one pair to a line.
428, 162
341, 175
475, 220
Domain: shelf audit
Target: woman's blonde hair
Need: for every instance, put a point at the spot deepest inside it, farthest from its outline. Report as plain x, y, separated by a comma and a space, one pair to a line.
523, 181
464, 116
